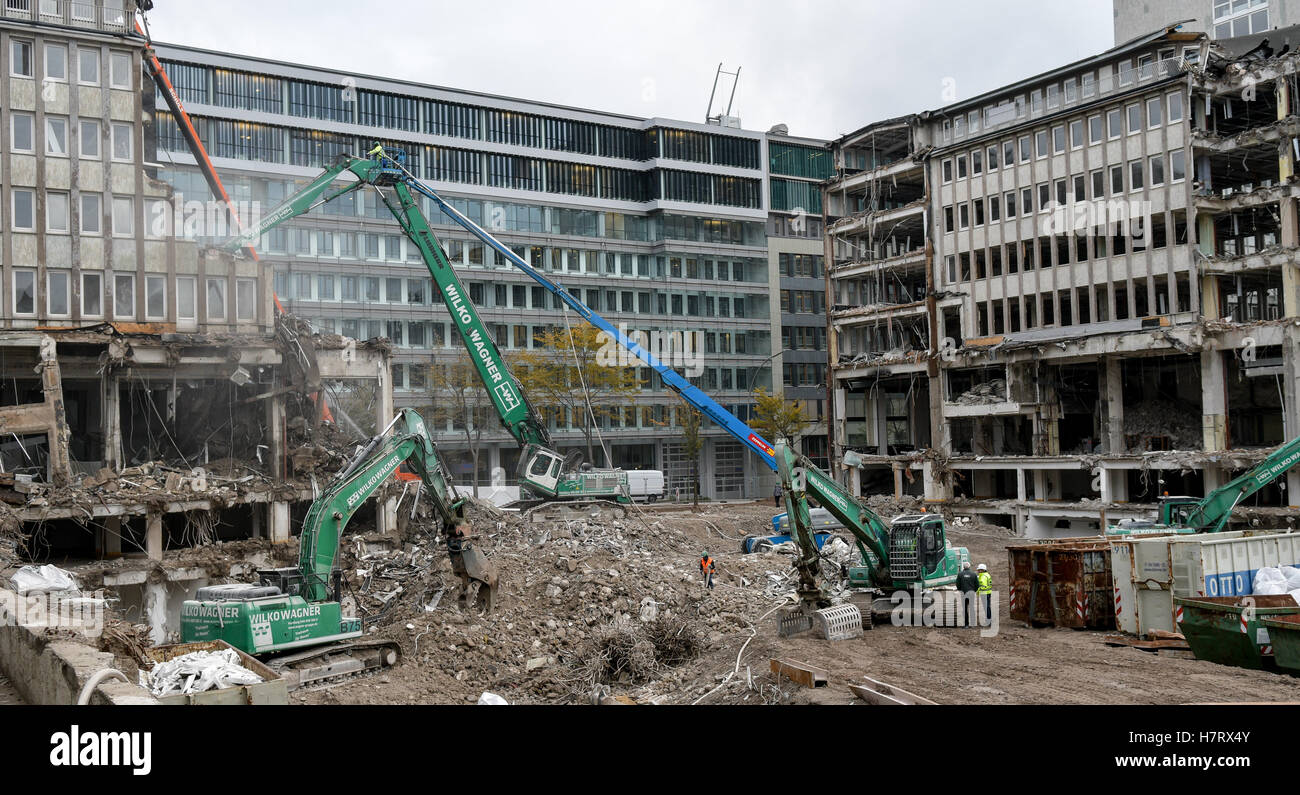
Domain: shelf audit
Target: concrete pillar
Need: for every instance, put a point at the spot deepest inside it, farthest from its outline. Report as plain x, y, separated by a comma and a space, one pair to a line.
937, 487
898, 482
855, 481
258, 511
1290, 232
155, 610
1040, 485
1022, 490
1213, 477
276, 437
111, 407
280, 529
1118, 479
1101, 476
108, 539
154, 536
386, 512
1214, 401
1112, 395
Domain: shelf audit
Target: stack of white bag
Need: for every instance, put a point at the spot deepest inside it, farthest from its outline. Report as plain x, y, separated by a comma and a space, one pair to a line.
196, 672
1278, 580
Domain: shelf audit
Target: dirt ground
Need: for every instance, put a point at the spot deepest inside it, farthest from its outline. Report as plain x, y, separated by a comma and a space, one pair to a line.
567, 585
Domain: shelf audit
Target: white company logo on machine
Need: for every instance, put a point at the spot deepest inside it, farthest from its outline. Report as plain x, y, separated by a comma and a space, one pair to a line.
75, 748
209, 610
916, 608
384, 471
297, 622
509, 398
1284, 464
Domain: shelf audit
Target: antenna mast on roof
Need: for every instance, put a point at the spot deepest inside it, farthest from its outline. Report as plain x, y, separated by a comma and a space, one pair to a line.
723, 119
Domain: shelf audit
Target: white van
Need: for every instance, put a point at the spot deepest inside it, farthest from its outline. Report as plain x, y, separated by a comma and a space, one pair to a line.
645, 485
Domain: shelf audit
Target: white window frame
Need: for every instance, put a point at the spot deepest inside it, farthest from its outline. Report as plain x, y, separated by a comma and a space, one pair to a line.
207, 298
83, 215
82, 139
1172, 179
1169, 107
160, 279
946, 170
81, 53
13, 212
241, 303
1159, 104
98, 293
52, 47
114, 58
1128, 118
50, 276
52, 199
130, 142
31, 57
13, 127
13, 293
1152, 162
51, 124
1101, 122
121, 201
187, 287
1111, 135
1083, 134
118, 293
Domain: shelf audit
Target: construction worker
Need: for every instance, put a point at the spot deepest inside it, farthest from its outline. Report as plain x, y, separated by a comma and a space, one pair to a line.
776, 495
968, 584
986, 591
708, 567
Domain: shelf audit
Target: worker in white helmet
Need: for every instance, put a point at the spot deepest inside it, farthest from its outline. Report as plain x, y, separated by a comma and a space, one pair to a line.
986, 590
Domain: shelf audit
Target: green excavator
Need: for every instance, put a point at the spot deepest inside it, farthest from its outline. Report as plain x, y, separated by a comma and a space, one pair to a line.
548, 480
299, 609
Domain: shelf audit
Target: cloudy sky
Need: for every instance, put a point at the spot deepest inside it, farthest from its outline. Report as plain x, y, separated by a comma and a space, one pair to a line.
823, 67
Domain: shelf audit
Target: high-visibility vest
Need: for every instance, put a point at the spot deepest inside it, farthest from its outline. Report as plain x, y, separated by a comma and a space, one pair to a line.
706, 565
986, 582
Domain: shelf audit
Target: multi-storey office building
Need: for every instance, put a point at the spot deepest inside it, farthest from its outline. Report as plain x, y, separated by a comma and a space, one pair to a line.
1219, 19
653, 223
796, 167
1059, 288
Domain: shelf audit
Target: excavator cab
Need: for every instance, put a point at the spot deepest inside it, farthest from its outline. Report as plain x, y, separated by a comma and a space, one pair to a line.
541, 470
1176, 511
917, 548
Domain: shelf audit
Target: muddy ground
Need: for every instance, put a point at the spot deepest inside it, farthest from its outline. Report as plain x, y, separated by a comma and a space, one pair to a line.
568, 585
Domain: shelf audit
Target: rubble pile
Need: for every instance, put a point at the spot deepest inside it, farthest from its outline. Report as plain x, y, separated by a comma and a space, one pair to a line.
1151, 423
989, 392
583, 604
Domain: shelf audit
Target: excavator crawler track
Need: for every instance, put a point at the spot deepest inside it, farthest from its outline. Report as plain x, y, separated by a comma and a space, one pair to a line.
337, 662
576, 510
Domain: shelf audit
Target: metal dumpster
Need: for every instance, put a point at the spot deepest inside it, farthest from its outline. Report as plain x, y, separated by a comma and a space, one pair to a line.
1284, 637
271, 690
1064, 583
1227, 629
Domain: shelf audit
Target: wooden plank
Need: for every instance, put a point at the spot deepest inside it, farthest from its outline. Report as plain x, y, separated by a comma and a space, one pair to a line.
872, 697
897, 695
800, 673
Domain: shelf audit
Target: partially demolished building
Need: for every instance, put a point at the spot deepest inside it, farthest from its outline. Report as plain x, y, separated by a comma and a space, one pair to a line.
1059, 300
150, 398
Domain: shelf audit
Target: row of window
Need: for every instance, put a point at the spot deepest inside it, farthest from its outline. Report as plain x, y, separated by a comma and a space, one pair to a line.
59, 207
1074, 89
808, 266
804, 374
419, 292
57, 140
55, 300
1136, 176
1045, 142
803, 338
1107, 239
802, 302
22, 54
1083, 305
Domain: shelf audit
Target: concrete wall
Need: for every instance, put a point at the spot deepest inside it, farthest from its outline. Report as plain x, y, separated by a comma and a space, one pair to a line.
46, 671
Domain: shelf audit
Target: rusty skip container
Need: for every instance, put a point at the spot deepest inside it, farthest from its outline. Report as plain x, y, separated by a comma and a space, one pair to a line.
271, 690
1063, 583
1228, 629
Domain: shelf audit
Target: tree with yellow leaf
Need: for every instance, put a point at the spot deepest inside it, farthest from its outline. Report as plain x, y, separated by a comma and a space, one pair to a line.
777, 417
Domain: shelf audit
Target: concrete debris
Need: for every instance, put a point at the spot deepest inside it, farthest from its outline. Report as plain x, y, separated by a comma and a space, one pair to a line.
994, 391
44, 579
197, 672
1161, 425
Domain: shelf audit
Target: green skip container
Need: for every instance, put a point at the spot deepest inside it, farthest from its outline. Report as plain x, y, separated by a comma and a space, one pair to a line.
1284, 636
1228, 629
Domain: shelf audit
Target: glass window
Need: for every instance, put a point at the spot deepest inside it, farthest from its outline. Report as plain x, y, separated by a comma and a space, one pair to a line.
1076, 134
1040, 143
246, 299
24, 292
20, 58
185, 304
216, 299
56, 212
88, 66
120, 70
56, 62
155, 297
22, 134
1114, 123
123, 216
1177, 166
1155, 112
1116, 180
947, 170
92, 214
24, 212
1135, 174
1008, 153
92, 294
89, 139
1134, 118
1024, 149
1158, 170
1175, 107
1095, 131
122, 146
56, 136
124, 296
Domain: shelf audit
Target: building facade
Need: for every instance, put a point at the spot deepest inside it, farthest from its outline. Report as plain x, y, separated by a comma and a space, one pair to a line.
1219, 19
656, 224
1059, 290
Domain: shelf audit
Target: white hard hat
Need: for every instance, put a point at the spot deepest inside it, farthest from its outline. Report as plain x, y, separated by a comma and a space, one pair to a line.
981, 567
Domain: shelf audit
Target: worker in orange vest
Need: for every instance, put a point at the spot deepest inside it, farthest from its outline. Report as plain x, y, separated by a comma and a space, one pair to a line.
707, 566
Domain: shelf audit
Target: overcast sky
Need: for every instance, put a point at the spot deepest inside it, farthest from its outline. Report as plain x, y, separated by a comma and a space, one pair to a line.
823, 67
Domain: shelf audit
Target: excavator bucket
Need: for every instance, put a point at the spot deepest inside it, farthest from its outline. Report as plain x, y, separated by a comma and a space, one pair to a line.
478, 577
